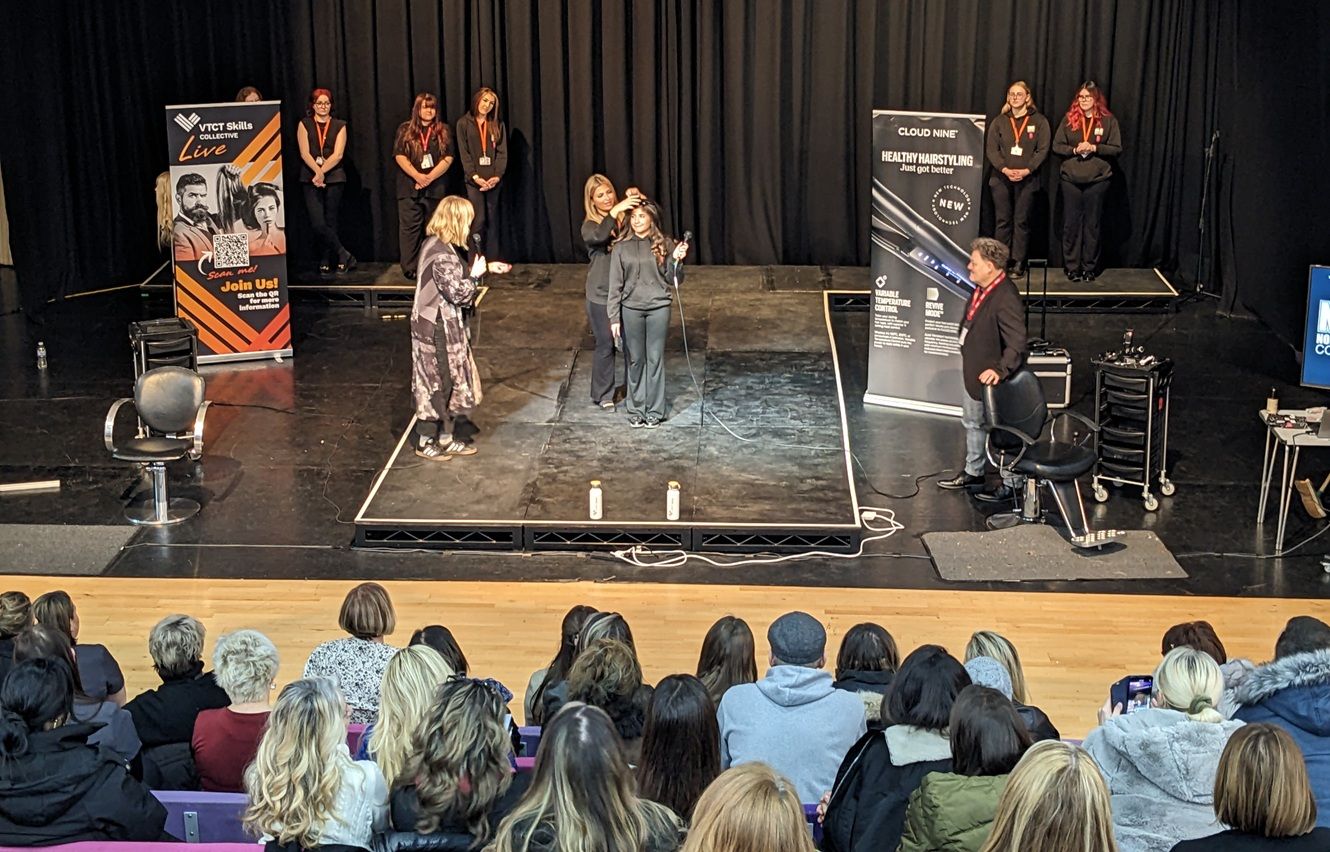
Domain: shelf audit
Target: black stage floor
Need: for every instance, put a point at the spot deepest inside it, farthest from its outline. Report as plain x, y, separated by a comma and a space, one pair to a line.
294, 448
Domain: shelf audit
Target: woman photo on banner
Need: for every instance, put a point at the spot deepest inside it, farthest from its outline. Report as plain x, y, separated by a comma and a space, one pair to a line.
268, 236
321, 139
423, 153
604, 221
482, 144
1016, 147
1088, 139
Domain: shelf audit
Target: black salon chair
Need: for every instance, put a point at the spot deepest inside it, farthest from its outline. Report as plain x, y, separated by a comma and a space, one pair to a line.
170, 406
1024, 440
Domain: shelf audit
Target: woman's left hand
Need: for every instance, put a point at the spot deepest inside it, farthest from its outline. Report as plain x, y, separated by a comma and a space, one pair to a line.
498, 267
680, 251
1109, 710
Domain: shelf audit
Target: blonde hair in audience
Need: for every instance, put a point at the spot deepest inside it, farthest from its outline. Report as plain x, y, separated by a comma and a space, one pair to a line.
1190, 681
1262, 786
409, 684
367, 612
987, 643
750, 808
1055, 801
451, 221
245, 664
15, 613
297, 772
176, 644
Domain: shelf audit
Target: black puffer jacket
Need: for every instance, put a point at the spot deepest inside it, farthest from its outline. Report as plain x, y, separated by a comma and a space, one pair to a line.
405, 808
1037, 722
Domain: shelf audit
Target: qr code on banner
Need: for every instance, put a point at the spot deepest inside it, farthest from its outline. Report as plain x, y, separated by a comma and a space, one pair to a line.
230, 251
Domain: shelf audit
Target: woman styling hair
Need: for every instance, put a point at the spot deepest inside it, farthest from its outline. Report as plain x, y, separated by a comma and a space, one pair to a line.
604, 221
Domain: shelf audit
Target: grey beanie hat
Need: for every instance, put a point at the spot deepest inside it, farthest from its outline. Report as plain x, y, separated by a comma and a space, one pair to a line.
987, 671
798, 639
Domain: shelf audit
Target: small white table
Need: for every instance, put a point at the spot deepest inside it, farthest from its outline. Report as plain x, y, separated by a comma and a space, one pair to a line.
1292, 440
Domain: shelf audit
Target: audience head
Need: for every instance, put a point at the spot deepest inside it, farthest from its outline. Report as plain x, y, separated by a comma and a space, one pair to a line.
607, 675
56, 611
15, 613
867, 647
1262, 786
247, 94
1054, 801
245, 664
176, 646
367, 612
680, 746
797, 639
986, 671
459, 758
37, 642
605, 625
296, 775
441, 639
728, 656
1189, 681
557, 671
410, 683
987, 735
1301, 635
749, 808
925, 688
1195, 634
37, 695
986, 643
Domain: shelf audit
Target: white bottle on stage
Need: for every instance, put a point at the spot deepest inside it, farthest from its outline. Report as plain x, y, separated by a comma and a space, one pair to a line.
597, 501
672, 501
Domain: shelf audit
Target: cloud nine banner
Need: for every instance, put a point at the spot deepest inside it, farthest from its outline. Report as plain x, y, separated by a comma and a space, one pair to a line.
927, 170
229, 237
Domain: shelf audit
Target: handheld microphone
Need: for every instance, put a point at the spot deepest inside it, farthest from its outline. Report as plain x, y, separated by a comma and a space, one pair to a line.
475, 244
688, 237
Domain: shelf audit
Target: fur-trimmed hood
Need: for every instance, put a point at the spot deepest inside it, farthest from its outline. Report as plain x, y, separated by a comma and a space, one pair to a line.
1175, 754
1295, 688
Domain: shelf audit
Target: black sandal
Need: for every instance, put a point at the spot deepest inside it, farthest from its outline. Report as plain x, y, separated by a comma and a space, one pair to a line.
347, 265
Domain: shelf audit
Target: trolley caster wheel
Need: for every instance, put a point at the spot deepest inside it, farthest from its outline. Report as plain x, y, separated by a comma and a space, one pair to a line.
1167, 488
1100, 493
1150, 502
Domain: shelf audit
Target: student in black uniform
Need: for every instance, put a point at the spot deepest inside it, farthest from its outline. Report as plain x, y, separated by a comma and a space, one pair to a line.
604, 220
644, 264
322, 142
1017, 145
423, 152
482, 143
1089, 137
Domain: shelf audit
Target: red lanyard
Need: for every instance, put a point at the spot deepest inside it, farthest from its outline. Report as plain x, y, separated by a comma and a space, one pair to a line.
981, 294
322, 132
1017, 133
482, 125
424, 140
1087, 128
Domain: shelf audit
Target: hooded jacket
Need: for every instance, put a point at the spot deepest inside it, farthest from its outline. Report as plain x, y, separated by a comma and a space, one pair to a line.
1294, 693
62, 790
794, 721
1160, 767
951, 813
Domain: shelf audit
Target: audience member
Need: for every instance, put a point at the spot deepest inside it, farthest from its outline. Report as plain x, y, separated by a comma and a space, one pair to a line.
793, 719
986, 643
458, 783
1293, 692
598, 625
749, 808
357, 662
680, 746
873, 785
248, 94
1201, 636
226, 739
557, 671
986, 671
954, 810
1055, 801
607, 675
582, 796
164, 717
15, 615
728, 657
867, 662
111, 726
99, 673
441, 639
413, 678
1263, 794
303, 786
1160, 762
53, 787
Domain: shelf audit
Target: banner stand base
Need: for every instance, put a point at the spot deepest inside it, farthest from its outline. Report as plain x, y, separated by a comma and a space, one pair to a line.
908, 404
275, 355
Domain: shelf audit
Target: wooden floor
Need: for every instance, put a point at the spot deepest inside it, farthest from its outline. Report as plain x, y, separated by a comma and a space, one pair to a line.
1073, 646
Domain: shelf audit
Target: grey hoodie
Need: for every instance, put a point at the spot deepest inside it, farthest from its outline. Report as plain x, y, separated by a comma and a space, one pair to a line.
794, 721
1160, 767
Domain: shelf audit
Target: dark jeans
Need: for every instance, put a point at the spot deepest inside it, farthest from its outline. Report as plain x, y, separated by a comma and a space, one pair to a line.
322, 205
644, 343
1011, 212
1082, 213
602, 366
412, 214
486, 221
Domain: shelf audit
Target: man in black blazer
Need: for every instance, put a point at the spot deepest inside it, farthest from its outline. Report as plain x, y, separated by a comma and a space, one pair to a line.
992, 348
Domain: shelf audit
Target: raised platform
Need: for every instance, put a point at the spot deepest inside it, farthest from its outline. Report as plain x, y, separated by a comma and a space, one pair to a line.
756, 436
1113, 291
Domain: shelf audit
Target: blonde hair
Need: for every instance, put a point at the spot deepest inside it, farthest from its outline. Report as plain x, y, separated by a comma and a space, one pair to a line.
1262, 786
297, 772
367, 612
1029, 95
594, 183
176, 644
750, 808
1190, 681
244, 664
15, 613
409, 684
1055, 801
165, 210
451, 221
987, 643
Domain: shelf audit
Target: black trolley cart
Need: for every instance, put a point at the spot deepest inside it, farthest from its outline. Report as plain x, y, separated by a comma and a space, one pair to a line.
1131, 410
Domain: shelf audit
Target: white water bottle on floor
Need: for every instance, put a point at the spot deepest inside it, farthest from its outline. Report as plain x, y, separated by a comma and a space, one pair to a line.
597, 501
672, 501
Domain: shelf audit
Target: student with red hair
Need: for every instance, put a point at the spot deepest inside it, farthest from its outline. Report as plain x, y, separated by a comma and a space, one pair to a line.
322, 142
1088, 139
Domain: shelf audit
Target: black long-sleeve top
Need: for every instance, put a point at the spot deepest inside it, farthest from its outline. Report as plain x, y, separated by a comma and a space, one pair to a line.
469, 149
1094, 168
637, 281
597, 236
1034, 142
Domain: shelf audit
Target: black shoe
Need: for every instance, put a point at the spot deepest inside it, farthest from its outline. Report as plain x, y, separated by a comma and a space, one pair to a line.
961, 480
635, 421
1018, 271
653, 422
1001, 494
347, 264
325, 268
410, 275
1089, 276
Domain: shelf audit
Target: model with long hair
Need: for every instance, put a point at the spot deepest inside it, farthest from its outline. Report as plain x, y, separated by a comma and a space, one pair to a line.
422, 150
321, 141
604, 221
728, 657
1088, 139
482, 144
680, 746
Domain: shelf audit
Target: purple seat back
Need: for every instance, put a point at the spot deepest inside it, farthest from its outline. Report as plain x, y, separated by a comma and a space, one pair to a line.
810, 814
526, 764
530, 740
204, 817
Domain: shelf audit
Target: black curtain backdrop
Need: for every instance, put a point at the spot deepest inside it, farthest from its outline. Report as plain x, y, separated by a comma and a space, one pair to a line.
748, 120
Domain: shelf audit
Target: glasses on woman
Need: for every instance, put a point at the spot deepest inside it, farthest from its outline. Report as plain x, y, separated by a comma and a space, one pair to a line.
323, 103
